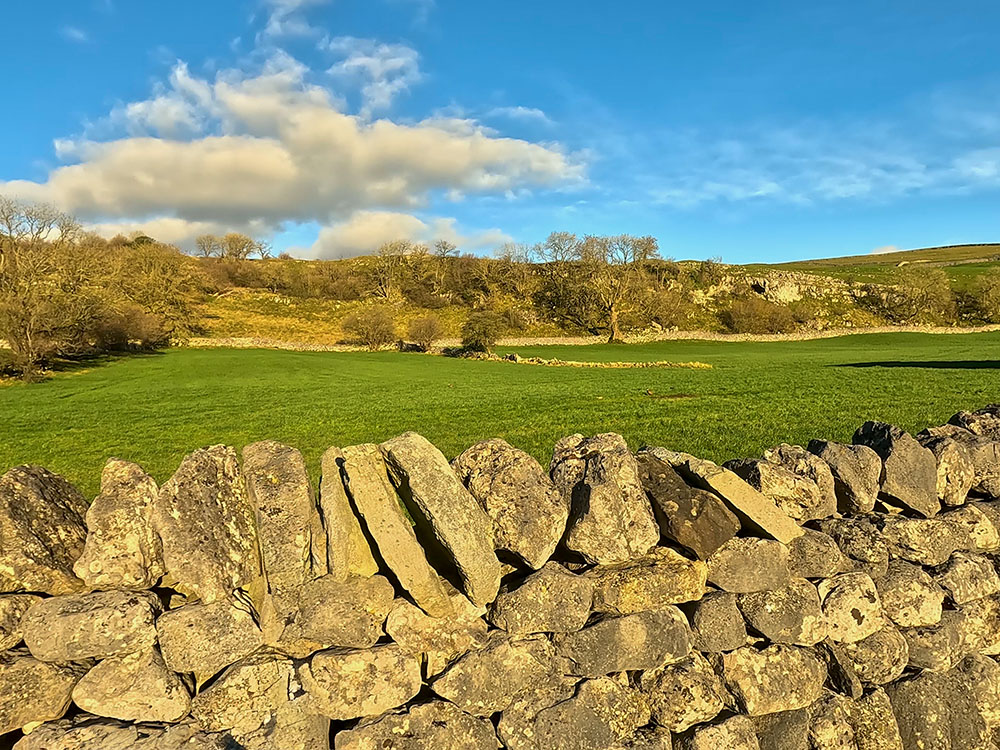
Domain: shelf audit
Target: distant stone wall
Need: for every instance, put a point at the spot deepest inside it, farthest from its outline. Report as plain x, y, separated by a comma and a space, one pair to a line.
834, 596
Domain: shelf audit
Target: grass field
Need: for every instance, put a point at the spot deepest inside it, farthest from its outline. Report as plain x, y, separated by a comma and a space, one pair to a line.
154, 409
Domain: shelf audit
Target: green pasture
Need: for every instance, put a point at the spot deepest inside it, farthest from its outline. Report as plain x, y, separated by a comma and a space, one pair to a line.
153, 409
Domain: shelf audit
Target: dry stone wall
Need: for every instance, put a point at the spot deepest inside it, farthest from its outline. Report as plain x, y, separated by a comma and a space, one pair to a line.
833, 596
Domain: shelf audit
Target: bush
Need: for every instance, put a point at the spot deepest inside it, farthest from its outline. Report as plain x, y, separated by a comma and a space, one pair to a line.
757, 315
424, 331
481, 331
374, 327
985, 296
919, 294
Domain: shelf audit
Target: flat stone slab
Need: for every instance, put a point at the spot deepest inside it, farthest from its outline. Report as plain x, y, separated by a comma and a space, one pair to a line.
430, 488
348, 552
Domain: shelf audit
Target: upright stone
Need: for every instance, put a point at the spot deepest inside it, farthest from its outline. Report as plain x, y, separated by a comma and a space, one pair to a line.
122, 551
292, 541
348, 552
610, 519
856, 472
42, 532
32, 691
909, 471
134, 687
956, 473
386, 521
755, 510
695, 519
207, 526
806, 464
529, 513
453, 518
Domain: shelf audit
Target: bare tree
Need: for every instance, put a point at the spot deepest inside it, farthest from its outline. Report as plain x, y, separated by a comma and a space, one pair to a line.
616, 267
233, 245
386, 264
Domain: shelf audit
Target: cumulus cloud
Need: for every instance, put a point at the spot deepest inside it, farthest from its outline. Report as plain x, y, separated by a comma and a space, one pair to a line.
287, 18
885, 249
383, 71
524, 114
264, 149
366, 230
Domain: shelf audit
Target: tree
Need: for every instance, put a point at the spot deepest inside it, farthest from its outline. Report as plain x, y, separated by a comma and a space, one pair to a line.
374, 327
985, 296
425, 330
919, 293
233, 246
616, 267
385, 267
481, 331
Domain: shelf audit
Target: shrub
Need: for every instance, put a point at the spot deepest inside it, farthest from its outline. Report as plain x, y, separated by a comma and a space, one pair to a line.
919, 294
424, 331
374, 327
481, 331
985, 294
755, 315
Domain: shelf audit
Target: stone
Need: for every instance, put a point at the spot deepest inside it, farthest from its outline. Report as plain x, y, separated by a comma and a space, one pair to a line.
754, 510
716, 623
611, 519
924, 541
909, 471
775, 678
791, 614
841, 674
981, 677
82, 626
797, 496
956, 473
874, 723
328, 612
122, 551
286, 727
936, 647
745, 565
734, 733
85, 732
807, 464
786, 730
861, 542
654, 581
984, 422
815, 555
978, 622
12, 609
967, 576
32, 691
827, 726
977, 527
644, 640
429, 726
696, 519
983, 451
647, 738
551, 600
135, 687
386, 521
936, 711
851, 607
437, 640
489, 680
42, 532
856, 471
347, 684
207, 526
246, 696
910, 597
880, 658
204, 639
450, 516
683, 694
529, 513
289, 530
348, 552
598, 715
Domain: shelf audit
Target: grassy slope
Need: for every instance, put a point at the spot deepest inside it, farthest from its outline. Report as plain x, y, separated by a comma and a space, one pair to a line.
154, 409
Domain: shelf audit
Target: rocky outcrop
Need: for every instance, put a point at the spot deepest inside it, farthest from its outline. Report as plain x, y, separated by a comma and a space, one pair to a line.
844, 597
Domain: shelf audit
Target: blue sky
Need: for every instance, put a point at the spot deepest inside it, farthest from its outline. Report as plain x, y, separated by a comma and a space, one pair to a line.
763, 131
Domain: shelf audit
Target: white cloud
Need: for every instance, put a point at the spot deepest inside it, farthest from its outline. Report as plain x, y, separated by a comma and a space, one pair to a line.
287, 18
383, 70
884, 250
264, 149
367, 230
75, 34
524, 114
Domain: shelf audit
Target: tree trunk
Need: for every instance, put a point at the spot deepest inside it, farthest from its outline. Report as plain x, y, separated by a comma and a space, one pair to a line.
616, 334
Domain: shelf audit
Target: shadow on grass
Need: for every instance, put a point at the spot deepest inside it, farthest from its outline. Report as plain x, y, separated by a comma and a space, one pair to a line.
72, 365
934, 364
